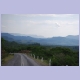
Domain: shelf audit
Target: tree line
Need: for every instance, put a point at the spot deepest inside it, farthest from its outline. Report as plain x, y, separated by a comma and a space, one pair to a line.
60, 56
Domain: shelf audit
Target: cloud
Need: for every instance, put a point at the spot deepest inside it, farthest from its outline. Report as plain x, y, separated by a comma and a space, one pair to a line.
41, 24
45, 15
57, 24
3, 26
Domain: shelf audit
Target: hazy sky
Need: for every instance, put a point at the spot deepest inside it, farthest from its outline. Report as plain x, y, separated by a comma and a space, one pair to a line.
47, 25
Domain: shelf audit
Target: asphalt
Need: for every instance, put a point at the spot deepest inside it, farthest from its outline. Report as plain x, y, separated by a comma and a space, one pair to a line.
20, 59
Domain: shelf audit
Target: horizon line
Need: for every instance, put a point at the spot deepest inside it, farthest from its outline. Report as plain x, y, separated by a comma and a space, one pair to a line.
38, 35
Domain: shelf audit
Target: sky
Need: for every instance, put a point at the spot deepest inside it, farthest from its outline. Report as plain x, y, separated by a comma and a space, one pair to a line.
47, 25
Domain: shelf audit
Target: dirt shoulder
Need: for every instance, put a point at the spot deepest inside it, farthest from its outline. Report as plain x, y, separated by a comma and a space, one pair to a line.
44, 63
6, 59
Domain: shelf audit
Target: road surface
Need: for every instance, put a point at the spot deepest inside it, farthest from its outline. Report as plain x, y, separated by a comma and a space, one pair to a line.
21, 60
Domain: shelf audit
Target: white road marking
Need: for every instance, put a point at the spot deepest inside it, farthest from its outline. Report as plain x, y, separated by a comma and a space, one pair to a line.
22, 64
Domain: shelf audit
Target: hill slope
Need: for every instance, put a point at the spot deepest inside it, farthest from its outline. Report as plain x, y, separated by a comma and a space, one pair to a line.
68, 40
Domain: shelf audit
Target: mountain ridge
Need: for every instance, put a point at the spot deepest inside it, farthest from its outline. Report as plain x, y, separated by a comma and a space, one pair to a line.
68, 40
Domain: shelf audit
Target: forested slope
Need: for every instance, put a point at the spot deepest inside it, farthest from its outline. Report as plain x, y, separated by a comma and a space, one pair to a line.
59, 55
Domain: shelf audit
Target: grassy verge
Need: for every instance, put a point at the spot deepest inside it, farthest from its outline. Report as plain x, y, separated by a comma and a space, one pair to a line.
44, 63
6, 59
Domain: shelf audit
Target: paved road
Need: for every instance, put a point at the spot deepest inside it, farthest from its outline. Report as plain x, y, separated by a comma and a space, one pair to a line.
21, 60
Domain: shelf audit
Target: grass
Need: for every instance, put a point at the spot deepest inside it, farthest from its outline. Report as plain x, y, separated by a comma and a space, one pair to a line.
6, 59
44, 63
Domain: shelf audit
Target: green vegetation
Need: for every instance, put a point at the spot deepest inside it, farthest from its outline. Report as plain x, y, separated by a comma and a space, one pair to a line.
44, 63
6, 59
59, 55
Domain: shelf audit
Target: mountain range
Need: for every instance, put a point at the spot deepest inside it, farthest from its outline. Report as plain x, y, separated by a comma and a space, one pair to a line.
70, 40
34, 36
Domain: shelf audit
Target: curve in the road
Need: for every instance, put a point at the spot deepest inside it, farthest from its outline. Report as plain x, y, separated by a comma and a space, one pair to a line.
22, 60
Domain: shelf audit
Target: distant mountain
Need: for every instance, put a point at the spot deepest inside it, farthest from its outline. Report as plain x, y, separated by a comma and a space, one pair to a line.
17, 34
73, 37
19, 39
7, 36
34, 36
68, 40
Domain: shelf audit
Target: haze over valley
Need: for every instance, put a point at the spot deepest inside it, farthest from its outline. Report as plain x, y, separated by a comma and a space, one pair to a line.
69, 40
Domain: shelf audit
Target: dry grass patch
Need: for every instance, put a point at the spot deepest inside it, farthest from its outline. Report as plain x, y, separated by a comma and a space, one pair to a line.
44, 63
6, 59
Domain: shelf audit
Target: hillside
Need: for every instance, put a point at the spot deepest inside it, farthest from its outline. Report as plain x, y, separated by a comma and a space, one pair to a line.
67, 41
59, 55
